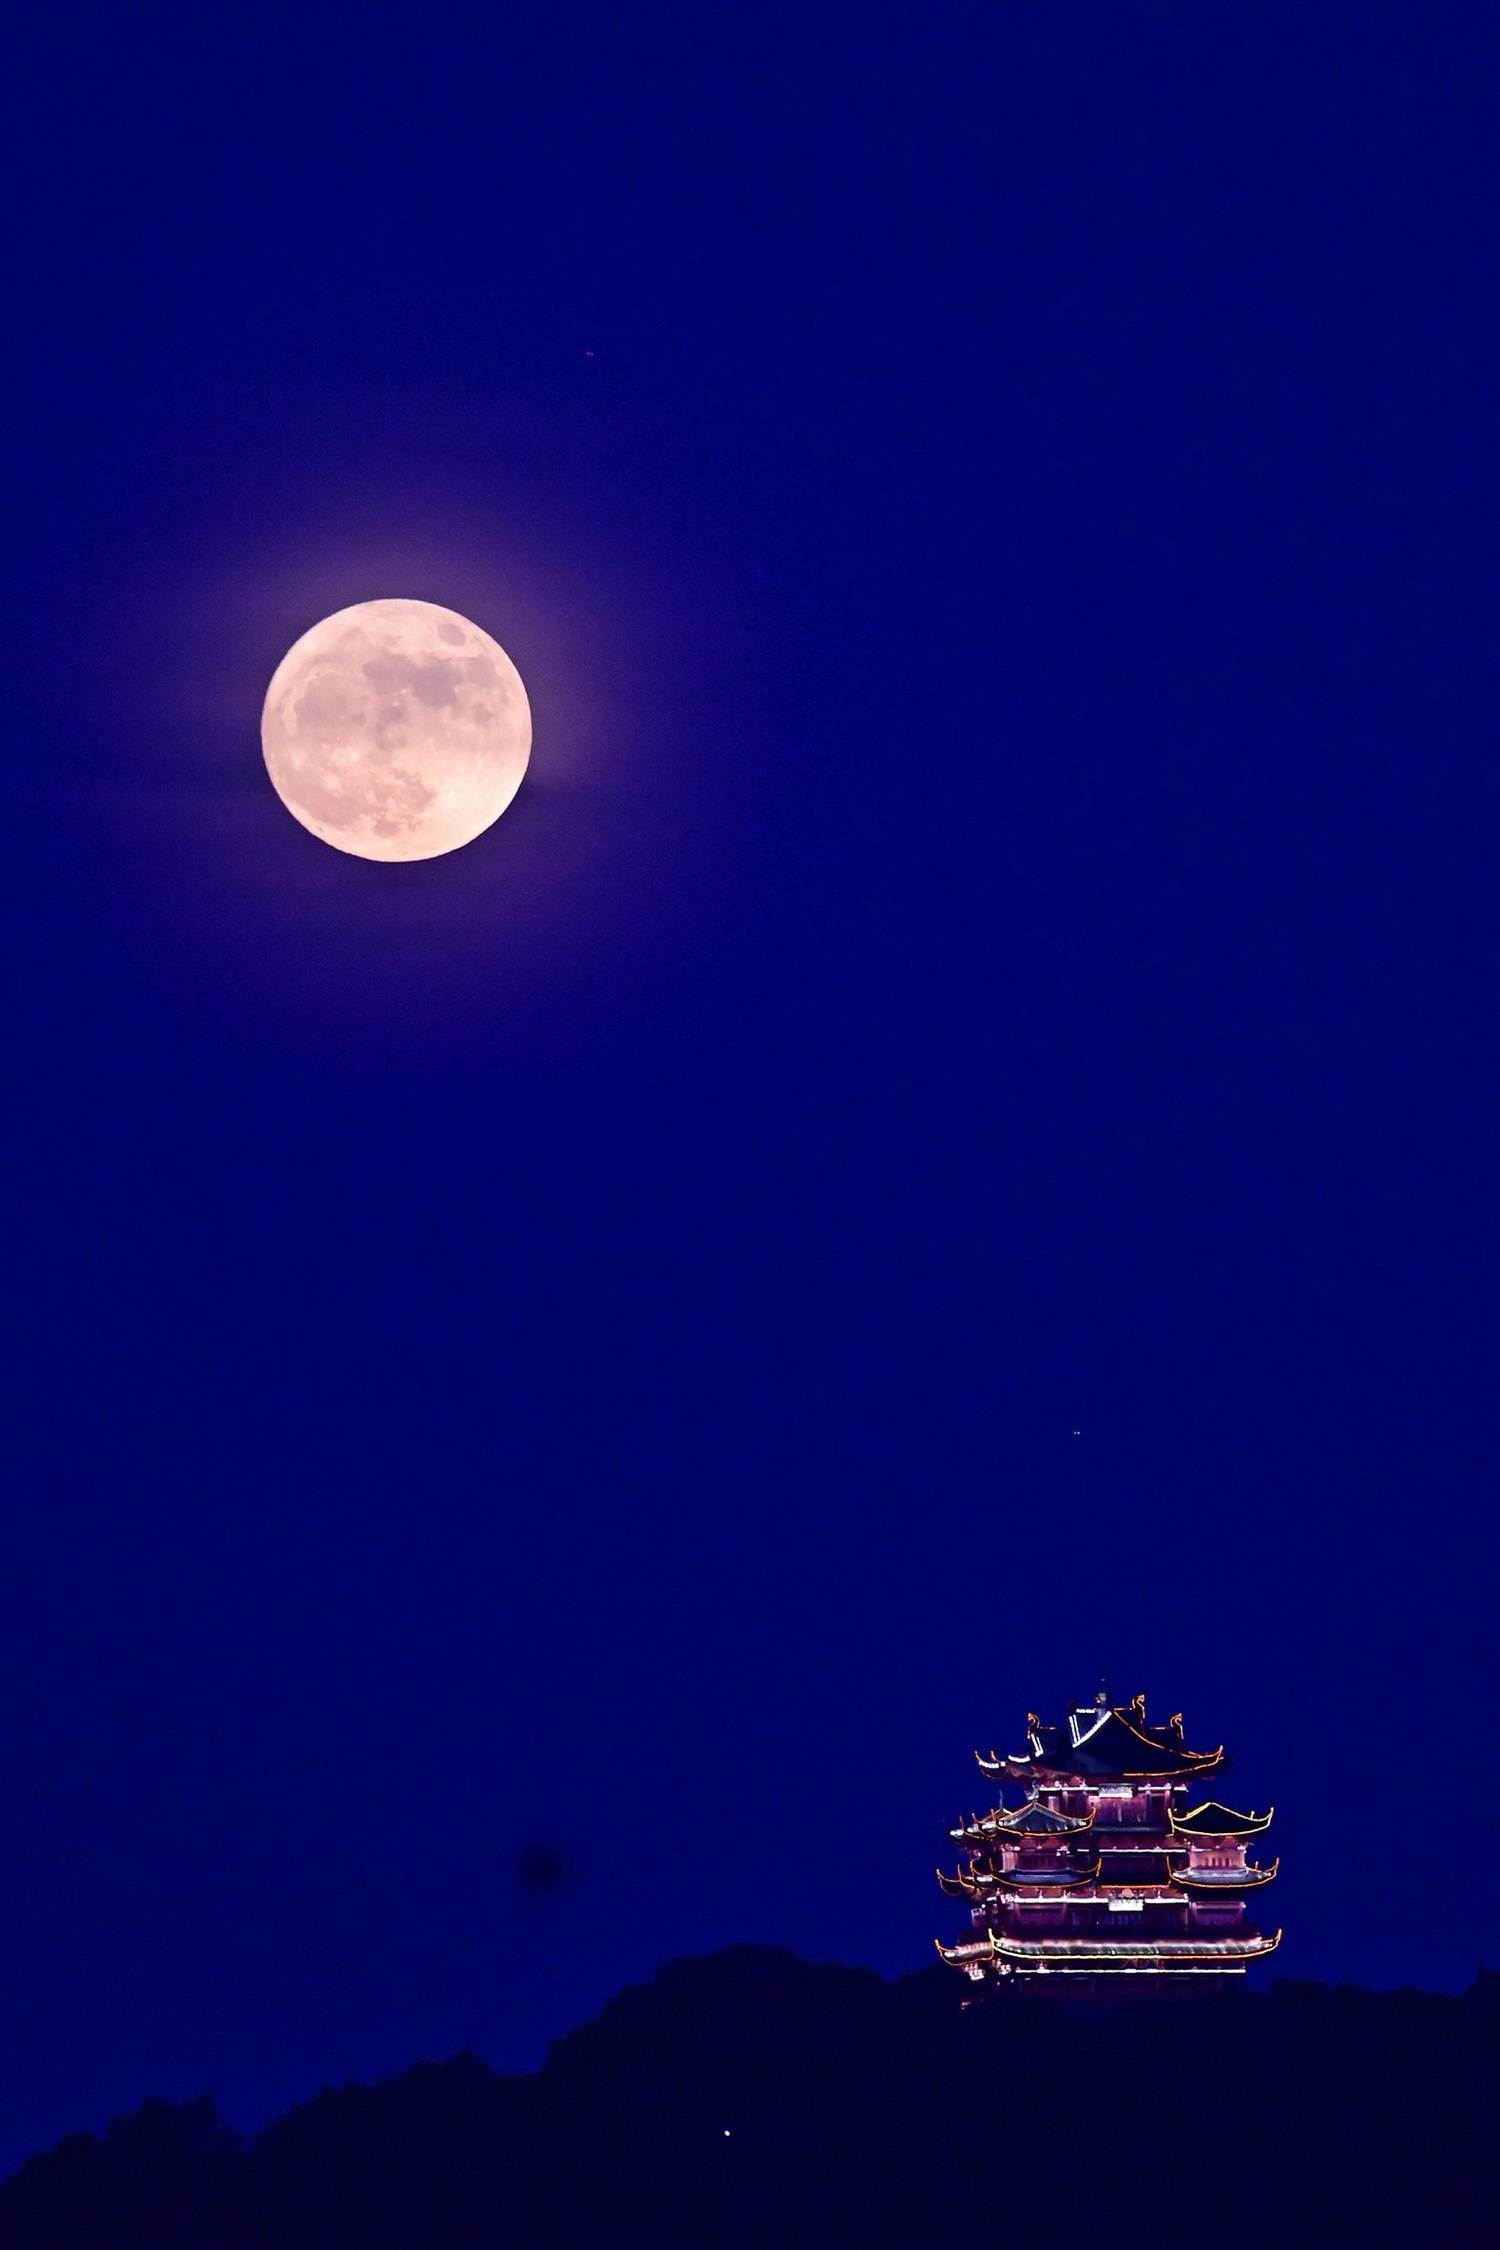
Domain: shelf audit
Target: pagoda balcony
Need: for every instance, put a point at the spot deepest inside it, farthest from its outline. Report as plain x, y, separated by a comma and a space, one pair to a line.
1089, 1905
1167, 1950
1224, 1878
1059, 1878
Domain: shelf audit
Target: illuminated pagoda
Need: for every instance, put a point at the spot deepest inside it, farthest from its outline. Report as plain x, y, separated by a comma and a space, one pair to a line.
1103, 1869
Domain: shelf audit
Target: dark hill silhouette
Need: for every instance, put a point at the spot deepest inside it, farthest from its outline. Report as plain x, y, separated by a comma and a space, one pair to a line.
752, 2099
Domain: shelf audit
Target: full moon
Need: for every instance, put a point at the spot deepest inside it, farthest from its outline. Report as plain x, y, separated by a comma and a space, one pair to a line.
396, 730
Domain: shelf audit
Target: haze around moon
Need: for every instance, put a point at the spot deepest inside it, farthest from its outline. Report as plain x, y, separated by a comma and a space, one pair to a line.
396, 730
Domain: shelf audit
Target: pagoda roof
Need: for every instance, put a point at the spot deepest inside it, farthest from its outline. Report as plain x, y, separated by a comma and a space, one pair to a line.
1214, 1819
1106, 1741
1031, 1819
1090, 1953
973, 1881
966, 1950
1036, 1819
1045, 1878
970, 1880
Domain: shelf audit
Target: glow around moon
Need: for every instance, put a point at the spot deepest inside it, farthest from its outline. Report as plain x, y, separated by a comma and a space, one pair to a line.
396, 730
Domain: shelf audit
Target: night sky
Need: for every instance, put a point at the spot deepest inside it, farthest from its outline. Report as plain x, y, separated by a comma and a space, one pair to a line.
943, 1148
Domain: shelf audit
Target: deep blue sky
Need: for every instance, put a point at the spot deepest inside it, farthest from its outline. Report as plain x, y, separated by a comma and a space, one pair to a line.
581, 1344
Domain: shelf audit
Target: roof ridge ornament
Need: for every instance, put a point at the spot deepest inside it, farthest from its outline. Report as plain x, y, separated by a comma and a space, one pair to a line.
1082, 1732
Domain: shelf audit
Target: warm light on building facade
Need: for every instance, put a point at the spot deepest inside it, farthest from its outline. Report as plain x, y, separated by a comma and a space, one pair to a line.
1103, 1869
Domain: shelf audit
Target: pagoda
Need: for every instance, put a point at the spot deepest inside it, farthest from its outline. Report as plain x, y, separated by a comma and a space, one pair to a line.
1103, 1868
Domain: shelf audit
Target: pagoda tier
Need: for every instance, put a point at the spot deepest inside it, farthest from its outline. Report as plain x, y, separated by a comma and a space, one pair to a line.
1102, 1870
